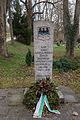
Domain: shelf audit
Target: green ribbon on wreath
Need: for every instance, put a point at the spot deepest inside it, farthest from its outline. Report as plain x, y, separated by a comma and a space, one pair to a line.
39, 107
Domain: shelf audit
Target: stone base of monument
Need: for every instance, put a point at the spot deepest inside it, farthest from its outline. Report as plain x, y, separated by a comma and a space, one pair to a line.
14, 99
66, 95
61, 96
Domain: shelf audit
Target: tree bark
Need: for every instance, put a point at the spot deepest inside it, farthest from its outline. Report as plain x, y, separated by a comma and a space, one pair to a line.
70, 30
29, 13
4, 5
66, 22
3, 10
1, 28
10, 24
76, 18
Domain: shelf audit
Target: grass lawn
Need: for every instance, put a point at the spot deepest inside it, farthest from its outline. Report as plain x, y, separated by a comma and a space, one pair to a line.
11, 70
9, 66
60, 51
15, 73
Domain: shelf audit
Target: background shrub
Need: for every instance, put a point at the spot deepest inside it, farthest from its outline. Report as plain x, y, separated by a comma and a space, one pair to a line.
29, 58
64, 64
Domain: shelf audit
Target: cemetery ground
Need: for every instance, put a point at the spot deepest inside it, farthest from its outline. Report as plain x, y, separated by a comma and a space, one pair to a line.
15, 75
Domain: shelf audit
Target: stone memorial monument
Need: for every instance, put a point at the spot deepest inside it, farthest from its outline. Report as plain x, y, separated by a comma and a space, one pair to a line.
43, 60
43, 49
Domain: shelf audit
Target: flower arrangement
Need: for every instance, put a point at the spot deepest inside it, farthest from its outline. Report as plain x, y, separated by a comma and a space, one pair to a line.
44, 86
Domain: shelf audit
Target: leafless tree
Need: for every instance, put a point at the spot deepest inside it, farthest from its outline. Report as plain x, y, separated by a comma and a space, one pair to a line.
10, 22
70, 29
3, 9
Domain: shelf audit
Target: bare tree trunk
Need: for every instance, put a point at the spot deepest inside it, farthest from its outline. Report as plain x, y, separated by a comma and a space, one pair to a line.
67, 23
70, 30
29, 13
3, 9
10, 23
2, 29
76, 18
29, 17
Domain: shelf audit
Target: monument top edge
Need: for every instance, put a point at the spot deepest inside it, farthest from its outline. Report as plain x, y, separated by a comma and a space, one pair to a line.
44, 21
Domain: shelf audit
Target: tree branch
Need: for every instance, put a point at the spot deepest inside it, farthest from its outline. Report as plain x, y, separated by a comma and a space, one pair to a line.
37, 13
22, 1
45, 2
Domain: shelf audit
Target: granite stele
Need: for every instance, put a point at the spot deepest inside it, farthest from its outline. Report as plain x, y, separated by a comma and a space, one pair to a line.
43, 49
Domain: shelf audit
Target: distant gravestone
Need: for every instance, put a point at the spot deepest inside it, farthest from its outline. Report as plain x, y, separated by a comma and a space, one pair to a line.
43, 49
